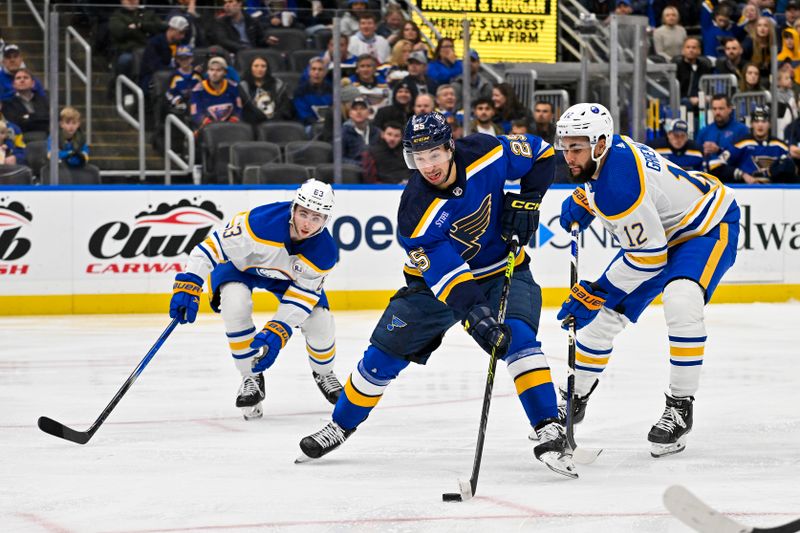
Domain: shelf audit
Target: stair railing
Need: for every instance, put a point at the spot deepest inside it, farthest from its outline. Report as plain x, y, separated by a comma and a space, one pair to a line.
137, 123
84, 75
43, 20
171, 156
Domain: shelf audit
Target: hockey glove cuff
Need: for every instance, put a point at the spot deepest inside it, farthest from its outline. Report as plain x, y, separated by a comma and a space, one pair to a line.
584, 302
185, 300
520, 216
487, 331
271, 341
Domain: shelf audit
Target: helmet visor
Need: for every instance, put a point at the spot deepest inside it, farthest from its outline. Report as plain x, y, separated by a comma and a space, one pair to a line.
427, 158
571, 143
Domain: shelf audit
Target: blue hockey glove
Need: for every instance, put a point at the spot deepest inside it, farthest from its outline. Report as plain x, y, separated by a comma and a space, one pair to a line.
520, 216
576, 209
487, 331
584, 302
272, 339
185, 300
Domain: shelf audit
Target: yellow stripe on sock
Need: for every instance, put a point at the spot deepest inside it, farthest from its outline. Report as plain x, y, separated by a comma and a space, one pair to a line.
359, 399
686, 352
590, 360
532, 379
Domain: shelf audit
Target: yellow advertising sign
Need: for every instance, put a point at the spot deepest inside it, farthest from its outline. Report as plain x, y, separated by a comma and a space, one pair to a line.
500, 30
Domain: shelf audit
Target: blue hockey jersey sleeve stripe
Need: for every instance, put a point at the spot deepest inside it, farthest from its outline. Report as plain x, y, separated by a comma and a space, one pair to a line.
485, 161
428, 217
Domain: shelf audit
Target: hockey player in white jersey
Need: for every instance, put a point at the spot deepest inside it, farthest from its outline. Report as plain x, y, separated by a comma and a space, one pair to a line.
678, 233
284, 248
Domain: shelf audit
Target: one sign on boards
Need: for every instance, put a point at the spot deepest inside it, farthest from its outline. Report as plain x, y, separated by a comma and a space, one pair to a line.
501, 30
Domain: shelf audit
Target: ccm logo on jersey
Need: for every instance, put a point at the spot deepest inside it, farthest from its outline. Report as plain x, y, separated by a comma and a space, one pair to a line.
527, 206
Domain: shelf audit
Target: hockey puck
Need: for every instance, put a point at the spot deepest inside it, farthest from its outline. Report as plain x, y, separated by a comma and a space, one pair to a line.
451, 497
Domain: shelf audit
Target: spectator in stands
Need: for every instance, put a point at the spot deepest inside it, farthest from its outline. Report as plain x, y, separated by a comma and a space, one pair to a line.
349, 24
216, 98
383, 161
366, 41
481, 87
507, 107
183, 81
733, 62
158, 55
15, 134
358, 133
217, 51
720, 27
195, 34
786, 97
129, 28
790, 15
12, 169
756, 159
791, 135
418, 73
520, 126
392, 26
371, 84
401, 108
723, 132
8, 148
312, 95
236, 30
752, 80
280, 15
264, 97
668, 38
790, 52
483, 110
445, 66
691, 66
13, 61
398, 62
27, 109
677, 147
73, 151
446, 100
347, 94
424, 103
412, 34
746, 27
757, 49
544, 120
348, 60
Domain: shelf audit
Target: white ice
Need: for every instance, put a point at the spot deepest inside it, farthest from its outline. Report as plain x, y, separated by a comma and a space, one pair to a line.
177, 456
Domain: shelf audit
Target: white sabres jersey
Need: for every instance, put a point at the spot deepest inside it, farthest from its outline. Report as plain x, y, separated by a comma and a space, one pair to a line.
257, 242
650, 204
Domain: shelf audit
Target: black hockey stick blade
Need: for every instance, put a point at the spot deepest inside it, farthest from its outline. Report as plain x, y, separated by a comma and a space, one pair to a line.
695, 513
57, 429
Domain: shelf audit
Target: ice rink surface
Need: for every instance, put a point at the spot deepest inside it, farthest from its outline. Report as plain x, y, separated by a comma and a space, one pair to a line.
177, 456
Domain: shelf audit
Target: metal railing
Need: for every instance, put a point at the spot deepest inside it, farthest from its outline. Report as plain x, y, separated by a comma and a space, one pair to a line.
43, 20
171, 156
745, 102
524, 83
558, 98
85, 76
137, 123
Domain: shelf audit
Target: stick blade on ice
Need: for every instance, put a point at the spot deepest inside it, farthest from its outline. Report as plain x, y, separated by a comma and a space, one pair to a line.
57, 429
690, 510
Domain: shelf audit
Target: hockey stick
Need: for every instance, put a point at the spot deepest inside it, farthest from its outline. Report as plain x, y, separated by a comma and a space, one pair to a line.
467, 490
693, 512
57, 429
579, 455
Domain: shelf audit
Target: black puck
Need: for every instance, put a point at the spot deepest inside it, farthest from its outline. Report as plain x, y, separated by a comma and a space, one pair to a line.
451, 497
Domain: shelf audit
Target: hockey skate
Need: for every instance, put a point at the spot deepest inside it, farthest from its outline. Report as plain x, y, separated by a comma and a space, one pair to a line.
552, 449
329, 386
251, 394
668, 435
322, 442
578, 408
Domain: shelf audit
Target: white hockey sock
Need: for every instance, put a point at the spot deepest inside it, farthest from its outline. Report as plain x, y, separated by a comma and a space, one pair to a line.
320, 334
594, 346
683, 310
236, 305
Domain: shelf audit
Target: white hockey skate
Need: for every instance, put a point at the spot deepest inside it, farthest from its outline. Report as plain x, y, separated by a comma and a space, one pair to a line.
552, 449
251, 394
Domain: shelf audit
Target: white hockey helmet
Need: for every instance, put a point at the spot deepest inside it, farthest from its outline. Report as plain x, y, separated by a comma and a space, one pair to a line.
316, 196
585, 120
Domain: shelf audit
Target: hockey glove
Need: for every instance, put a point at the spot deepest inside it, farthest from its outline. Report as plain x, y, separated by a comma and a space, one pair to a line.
584, 302
576, 209
185, 300
520, 216
487, 331
271, 340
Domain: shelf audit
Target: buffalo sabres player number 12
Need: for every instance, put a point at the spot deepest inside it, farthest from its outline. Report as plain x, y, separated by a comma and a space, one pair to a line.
283, 248
455, 224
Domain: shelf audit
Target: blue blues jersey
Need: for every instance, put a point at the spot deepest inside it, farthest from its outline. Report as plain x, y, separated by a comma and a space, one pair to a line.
215, 105
689, 157
452, 237
181, 85
748, 156
257, 242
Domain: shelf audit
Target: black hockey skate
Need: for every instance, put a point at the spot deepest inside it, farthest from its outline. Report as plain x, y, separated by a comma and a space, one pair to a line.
578, 408
251, 394
329, 386
322, 442
668, 435
552, 449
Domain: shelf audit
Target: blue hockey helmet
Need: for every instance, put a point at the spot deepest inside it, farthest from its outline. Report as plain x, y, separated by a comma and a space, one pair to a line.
425, 132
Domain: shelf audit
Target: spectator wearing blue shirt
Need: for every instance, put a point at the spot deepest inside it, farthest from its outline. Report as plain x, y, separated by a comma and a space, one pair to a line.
445, 67
358, 133
716, 24
724, 132
678, 148
12, 62
314, 95
73, 151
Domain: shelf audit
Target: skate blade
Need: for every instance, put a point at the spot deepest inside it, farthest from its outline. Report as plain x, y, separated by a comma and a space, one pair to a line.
560, 464
303, 458
533, 435
252, 413
662, 450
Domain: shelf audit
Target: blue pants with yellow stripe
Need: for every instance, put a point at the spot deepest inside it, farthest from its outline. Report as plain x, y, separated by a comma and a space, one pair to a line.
412, 327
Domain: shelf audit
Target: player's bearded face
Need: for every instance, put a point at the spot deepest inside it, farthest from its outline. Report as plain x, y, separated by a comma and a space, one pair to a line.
577, 154
306, 222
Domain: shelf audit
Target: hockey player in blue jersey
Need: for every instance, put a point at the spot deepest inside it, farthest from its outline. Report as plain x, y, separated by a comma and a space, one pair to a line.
283, 248
455, 225
678, 233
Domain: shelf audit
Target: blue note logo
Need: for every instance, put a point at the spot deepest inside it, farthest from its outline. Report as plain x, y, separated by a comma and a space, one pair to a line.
395, 323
